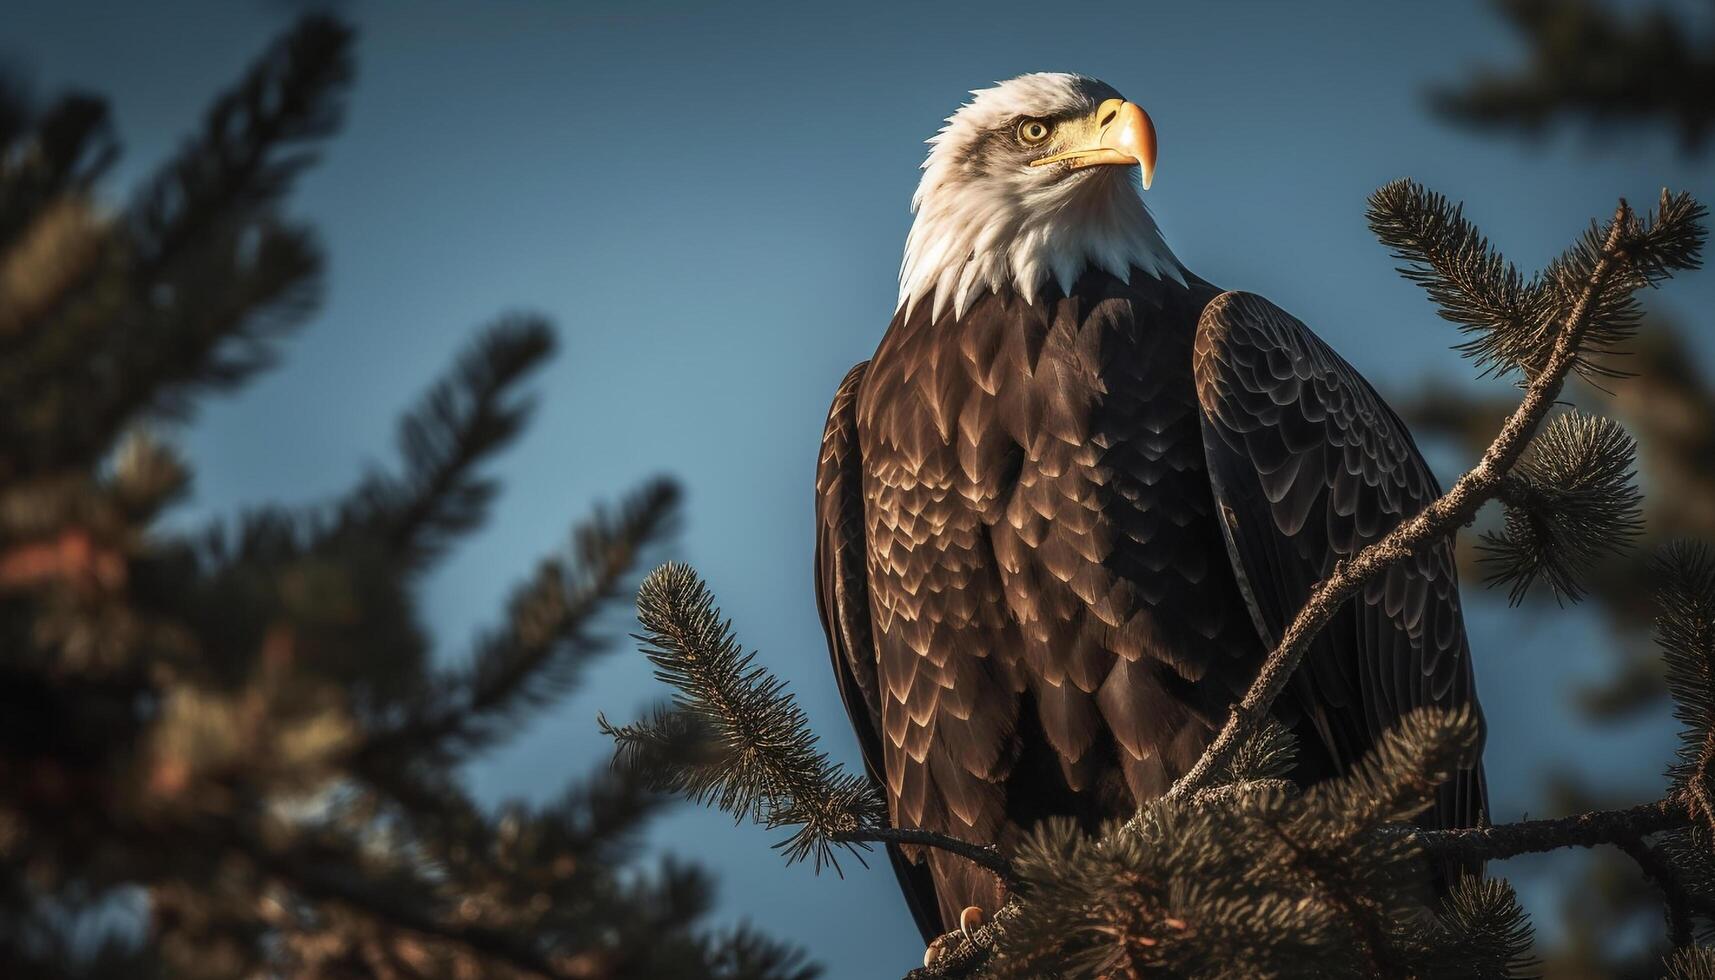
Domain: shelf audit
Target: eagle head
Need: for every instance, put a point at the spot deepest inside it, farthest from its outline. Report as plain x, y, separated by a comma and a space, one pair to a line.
1035, 179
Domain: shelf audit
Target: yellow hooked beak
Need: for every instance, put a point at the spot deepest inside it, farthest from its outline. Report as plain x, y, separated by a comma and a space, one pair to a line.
1124, 136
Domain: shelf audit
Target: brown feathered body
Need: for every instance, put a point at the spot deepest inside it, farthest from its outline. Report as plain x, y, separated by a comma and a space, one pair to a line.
1057, 537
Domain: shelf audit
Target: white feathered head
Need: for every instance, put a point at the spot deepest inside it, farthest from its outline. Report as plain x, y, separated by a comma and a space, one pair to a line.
1037, 178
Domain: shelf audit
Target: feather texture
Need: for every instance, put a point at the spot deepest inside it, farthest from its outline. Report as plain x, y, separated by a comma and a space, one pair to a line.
1056, 538
1350, 474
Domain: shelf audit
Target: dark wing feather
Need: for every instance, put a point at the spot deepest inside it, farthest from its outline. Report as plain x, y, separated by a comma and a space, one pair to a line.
1309, 465
842, 599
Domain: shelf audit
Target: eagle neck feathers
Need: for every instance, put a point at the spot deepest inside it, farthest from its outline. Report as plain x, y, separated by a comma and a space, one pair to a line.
966, 242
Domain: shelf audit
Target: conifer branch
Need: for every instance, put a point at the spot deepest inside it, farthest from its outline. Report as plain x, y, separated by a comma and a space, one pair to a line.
982, 855
1626, 249
1628, 830
202, 273
464, 419
1263, 880
1473, 285
1691, 963
737, 740
763, 762
1570, 501
1496, 842
1679, 900
1685, 631
255, 138
548, 636
51, 239
246, 731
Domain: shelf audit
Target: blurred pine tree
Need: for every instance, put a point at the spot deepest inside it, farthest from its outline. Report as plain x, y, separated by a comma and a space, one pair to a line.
1599, 62
239, 734
1607, 68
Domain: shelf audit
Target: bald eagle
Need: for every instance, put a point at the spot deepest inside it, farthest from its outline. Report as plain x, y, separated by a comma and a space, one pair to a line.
1078, 492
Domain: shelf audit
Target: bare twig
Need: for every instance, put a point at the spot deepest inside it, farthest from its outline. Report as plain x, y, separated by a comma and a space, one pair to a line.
1626, 829
1679, 899
1440, 519
1500, 841
984, 855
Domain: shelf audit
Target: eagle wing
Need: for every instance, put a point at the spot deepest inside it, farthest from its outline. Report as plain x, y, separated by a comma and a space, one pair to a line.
1308, 466
842, 600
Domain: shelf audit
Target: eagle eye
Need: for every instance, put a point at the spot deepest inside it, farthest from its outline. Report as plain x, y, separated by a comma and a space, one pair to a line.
1033, 131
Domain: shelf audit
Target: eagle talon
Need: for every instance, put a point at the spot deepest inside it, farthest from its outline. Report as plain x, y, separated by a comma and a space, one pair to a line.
939, 949
970, 920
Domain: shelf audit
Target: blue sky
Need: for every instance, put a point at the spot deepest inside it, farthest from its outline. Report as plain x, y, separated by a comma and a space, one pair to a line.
710, 201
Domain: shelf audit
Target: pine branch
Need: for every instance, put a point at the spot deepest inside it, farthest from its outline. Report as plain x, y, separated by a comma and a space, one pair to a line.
1628, 830
551, 620
735, 739
198, 279
1486, 923
1474, 286
463, 420
1397, 778
1261, 880
679, 749
213, 275
49, 156
255, 139
1646, 252
546, 641
1496, 842
1685, 631
1679, 900
744, 955
764, 762
1570, 502
1270, 753
1691, 963
982, 855
1626, 246
57, 252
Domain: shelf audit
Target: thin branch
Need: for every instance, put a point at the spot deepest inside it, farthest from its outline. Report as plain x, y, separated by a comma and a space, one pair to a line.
1440, 519
1625, 829
1501, 841
983, 855
1679, 900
